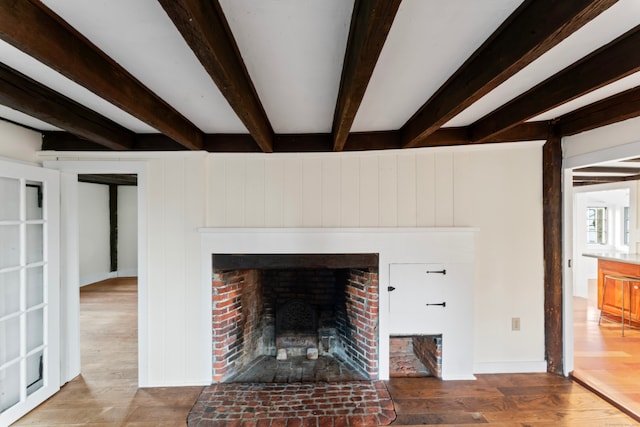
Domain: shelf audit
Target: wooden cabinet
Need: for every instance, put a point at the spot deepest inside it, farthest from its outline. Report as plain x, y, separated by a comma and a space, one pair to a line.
612, 305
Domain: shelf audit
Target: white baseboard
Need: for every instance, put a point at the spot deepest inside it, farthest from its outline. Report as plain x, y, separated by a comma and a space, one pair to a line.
97, 277
509, 367
128, 272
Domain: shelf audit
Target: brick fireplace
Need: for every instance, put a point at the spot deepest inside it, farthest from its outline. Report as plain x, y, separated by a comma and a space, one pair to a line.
276, 305
242, 310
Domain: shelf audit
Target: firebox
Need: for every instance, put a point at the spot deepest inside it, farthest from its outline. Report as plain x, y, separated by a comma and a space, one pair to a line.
293, 305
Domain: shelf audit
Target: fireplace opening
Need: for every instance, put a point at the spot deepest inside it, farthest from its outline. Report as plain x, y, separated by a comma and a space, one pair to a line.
415, 356
290, 318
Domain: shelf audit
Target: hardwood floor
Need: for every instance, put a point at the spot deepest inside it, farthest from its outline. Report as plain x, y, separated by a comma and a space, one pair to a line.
106, 393
603, 359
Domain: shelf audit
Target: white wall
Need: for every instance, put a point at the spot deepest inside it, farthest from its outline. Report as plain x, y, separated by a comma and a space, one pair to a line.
127, 230
93, 214
94, 229
176, 192
496, 188
19, 143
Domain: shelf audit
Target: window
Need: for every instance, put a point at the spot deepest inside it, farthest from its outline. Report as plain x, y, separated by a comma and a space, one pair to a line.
625, 236
597, 225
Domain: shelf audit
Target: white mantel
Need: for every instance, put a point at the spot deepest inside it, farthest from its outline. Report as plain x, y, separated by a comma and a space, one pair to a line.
394, 246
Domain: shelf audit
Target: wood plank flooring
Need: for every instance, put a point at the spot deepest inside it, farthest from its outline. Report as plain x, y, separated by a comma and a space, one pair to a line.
603, 359
106, 393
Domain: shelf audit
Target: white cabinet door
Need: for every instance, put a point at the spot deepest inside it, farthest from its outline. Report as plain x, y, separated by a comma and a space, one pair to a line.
29, 288
434, 299
424, 297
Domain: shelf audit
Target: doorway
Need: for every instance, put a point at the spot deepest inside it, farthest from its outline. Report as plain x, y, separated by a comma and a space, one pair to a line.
604, 212
108, 270
70, 250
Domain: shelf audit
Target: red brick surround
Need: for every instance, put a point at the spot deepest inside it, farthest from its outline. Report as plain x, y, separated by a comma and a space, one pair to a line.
243, 308
360, 325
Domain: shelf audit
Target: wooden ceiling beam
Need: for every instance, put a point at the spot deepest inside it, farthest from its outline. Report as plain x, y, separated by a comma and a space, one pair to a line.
616, 108
205, 29
591, 180
533, 29
533, 131
109, 179
23, 94
304, 143
606, 65
34, 29
608, 169
370, 24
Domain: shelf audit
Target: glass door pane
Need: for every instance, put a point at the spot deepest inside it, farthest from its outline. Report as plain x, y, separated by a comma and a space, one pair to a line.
10, 206
9, 245
9, 293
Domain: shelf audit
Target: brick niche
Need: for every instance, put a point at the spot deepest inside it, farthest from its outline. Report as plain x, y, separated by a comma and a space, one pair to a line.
246, 303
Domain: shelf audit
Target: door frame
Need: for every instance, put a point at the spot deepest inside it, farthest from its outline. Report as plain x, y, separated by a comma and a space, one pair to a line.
569, 163
69, 256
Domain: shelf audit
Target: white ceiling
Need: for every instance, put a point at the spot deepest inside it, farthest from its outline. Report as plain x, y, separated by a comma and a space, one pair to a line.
294, 49
427, 43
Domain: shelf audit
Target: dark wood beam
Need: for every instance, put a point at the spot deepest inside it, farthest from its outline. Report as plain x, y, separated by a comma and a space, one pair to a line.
606, 65
608, 169
23, 94
616, 108
444, 137
205, 29
534, 28
533, 131
300, 143
579, 181
109, 179
527, 131
385, 140
552, 244
293, 261
370, 24
36, 30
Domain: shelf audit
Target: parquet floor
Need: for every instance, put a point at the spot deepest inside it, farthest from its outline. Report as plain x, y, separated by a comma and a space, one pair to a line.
603, 359
106, 393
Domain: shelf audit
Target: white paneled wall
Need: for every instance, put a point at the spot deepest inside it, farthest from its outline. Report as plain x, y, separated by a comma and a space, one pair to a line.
496, 188
176, 207
395, 189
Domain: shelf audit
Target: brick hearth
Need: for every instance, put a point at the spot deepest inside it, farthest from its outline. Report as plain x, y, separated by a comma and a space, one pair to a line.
344, 404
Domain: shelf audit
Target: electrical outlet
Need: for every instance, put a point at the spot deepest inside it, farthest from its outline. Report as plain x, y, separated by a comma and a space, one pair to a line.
515, 323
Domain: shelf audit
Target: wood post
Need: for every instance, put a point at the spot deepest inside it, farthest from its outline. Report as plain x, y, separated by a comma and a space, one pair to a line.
552, 223
113, 226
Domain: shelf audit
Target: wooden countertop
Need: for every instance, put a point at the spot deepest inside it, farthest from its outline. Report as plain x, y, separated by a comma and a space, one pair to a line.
615, 256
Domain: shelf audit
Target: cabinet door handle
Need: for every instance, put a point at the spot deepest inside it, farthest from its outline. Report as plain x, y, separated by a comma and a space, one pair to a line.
390, 288
436, 271
443, 304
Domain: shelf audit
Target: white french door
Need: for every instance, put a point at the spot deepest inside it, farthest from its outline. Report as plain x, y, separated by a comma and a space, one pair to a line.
29, 288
